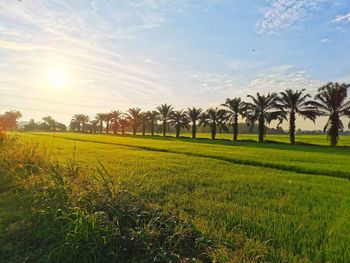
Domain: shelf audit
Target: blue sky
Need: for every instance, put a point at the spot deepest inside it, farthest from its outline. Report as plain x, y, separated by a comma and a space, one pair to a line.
120, 54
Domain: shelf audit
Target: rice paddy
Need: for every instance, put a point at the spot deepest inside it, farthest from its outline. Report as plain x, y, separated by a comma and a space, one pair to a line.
265, 202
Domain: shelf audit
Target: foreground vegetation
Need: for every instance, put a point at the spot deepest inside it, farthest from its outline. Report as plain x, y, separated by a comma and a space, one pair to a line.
248, 212
63, 212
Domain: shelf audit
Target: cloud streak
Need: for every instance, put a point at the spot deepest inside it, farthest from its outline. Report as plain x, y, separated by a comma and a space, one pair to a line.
342, 18
283, 14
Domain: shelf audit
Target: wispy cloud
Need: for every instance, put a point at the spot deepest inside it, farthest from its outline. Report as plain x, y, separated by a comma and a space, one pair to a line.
16, 46
284, 13
277, 79
342, 18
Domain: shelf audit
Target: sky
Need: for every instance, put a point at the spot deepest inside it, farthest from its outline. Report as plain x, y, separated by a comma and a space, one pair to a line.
62, 57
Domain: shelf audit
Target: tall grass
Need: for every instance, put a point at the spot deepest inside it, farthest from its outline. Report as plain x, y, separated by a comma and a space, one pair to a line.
52, 212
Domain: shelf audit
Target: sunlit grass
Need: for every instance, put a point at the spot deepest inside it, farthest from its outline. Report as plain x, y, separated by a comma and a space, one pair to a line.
262, 213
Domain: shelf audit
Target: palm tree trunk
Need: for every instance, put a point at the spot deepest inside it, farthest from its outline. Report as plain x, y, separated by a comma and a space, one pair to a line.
144, 130
261, 128
194, 130
292, 127
107, 127
123, 130
333, 131
101, 126
164, 128
134, 129
115, 128
152, 129
213, 131
177, 132
235, 128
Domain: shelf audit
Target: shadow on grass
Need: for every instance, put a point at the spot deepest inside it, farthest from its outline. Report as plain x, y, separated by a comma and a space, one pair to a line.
250, 162
268, 144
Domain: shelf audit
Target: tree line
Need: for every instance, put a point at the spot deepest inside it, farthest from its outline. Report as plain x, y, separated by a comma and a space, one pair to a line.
330, 101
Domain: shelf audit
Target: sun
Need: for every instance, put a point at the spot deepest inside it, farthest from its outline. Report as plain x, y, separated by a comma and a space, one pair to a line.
57, 77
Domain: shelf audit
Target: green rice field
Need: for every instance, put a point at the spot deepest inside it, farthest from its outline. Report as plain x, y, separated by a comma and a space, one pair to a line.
270, 202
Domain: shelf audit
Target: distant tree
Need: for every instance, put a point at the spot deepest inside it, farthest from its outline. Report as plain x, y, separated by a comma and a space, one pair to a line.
81, 120
85, 119
331, 102
115, 116
262, 109
123, 124
100, 117
153, 117
144, 121
194, 114
94, 124
8, 120
61, 127
107, 119
212, 118
31, 126
51, 123
296, 103
134, 118
74, 125
164, 115
235, 107
179, 120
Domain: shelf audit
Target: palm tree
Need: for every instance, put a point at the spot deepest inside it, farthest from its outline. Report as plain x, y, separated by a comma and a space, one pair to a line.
100, 117
179, 120
235, 108
134, 117
194, 115
212, 118
94, 124
123, 122
331, 102
293, 103
164, 114
262, 109
107, 119
115, 115
84, 120
144, 121
153, 117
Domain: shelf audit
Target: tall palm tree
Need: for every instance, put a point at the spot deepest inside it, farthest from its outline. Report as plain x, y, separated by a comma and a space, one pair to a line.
235, 107
94, 124
263, 109
153, 117
144, 121
164, 114
115, 115
212, 118
331, 102
123, 122
296, 103
101, 118
79, 119
194, 114
107, 119
179, 120
134, 117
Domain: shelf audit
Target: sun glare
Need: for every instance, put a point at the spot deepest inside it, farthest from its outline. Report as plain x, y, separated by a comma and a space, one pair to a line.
57, 77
